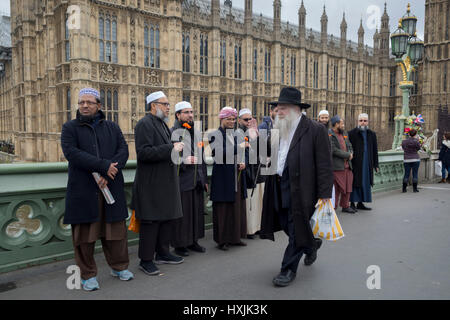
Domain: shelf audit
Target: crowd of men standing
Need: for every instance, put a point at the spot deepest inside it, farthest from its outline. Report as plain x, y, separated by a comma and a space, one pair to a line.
308, 163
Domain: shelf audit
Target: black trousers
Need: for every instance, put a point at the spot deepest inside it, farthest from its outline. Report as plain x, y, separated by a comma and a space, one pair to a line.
292, 253
154, 237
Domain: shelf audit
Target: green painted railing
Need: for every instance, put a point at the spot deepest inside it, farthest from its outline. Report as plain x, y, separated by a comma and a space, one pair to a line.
32, 199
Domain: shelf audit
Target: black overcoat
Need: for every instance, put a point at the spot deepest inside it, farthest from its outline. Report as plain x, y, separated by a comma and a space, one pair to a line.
156, 190
90, 149
189, 172
310, 178
357, 141
223, 175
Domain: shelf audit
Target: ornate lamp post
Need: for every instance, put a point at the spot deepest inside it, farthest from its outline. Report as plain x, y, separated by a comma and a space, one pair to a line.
408, 50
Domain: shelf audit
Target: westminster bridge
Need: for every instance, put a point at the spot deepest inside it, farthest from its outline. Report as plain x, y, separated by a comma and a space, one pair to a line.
405, 236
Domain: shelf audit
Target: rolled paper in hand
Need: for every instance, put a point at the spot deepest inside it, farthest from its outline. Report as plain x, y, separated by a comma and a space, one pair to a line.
106, 193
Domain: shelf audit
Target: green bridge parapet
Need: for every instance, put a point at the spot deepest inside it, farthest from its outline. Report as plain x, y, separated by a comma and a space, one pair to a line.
32, 201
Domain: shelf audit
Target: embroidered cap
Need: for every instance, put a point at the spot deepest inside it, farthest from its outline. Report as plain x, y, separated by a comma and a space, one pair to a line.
155, 96
182, 105
91, 91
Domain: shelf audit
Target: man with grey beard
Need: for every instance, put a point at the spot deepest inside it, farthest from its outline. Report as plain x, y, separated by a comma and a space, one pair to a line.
303, 175
365, 160
156, 195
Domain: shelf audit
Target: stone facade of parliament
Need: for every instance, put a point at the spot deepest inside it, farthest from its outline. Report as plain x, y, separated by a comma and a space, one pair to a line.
206, 52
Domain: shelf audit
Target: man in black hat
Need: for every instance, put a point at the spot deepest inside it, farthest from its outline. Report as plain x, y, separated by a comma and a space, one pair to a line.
303, 174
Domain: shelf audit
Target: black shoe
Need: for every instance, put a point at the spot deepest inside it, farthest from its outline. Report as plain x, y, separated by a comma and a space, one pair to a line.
168, 259
223, 247
404, 187
361, 206
415, 187
349, 210
197, 248
284, 278
251, 236
310, 258
352, 205
240, 243
149, 268
181, 251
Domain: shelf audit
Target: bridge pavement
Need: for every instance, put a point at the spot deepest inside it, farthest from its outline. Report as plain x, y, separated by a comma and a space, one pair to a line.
406, 235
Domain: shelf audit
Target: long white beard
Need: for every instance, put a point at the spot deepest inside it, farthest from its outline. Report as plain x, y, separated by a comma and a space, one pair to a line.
285, 125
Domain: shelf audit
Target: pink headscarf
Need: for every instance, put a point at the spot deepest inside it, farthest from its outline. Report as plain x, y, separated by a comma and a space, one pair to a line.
227, 112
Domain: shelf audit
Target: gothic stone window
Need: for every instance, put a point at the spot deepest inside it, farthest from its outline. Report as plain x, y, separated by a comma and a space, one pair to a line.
392, 83
151, 45
353, 80
369, 83
267, 65
204, 112
66, 40
186, 48
336, 77
282, 68
110, 104
237, 103
316, 74
203, 53
107, 33
223, 58
306, 72
293, 69
255, 64
68, 113
238, 61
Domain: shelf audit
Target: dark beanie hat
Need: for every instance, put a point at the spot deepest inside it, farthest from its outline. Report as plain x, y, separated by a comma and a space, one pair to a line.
335, 120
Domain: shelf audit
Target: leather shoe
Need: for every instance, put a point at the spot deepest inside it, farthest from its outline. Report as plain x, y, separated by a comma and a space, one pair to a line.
181, 251
310, 258
240, 243
223, 247
197, 248
349, 210
284, 278
251, 236
361, 206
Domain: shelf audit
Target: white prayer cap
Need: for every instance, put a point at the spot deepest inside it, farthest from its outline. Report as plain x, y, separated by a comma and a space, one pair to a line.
244, 111
182, 105
155, 96
323, 112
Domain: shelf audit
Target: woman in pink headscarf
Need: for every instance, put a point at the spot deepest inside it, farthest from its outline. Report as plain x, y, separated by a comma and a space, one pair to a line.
228, 185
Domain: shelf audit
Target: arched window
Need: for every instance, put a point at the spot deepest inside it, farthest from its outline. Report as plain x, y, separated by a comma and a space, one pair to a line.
151, 46
107, 33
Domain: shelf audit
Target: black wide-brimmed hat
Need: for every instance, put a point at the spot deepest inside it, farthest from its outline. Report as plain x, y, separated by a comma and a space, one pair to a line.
290, 95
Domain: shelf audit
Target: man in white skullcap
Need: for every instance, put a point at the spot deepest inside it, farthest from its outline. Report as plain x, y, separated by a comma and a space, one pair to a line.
92, 144
156, 191
249, 127
193, 182
324, 118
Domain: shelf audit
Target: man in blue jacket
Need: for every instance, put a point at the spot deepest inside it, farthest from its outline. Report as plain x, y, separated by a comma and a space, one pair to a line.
93, 144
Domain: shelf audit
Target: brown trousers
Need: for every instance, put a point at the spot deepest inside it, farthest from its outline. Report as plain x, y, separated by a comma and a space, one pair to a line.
114, 242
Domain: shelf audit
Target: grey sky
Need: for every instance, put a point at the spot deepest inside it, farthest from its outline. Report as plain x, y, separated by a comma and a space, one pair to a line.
354, 11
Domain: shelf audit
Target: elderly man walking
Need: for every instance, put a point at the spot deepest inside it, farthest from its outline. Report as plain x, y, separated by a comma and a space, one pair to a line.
365, 160
93, 144
193, 183
156, 191
303, 176
342, 152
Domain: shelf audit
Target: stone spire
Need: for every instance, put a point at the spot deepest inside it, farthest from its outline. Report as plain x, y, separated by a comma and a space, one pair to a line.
324, 26
302, 21
248, 15
384, 33
215, 12
277, 18
343, 31
361, 36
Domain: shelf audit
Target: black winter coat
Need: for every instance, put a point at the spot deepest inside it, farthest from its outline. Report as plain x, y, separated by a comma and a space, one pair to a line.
156, 190
90, 149
189, 172
357, 141
310, 179
223, 175
444, 155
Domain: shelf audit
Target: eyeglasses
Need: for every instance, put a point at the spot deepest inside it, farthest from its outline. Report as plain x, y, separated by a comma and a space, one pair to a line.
90, 103
165, 104
246, 120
